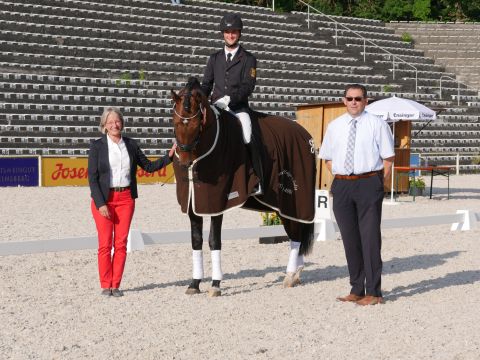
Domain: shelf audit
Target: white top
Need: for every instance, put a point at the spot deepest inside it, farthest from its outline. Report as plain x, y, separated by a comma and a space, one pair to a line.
373, 143
119, 163
233, 52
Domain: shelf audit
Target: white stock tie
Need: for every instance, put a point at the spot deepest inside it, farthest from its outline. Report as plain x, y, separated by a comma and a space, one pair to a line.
350, 147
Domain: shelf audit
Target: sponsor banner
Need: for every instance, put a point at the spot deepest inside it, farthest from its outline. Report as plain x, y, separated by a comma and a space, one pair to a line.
19, 171
64, 171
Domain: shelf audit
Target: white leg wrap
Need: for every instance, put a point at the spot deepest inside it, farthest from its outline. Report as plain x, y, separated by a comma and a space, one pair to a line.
246, 126
216, 265
197, 257
300, 262
293, 258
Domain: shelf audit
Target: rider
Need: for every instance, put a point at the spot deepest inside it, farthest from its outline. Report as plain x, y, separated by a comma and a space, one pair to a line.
233, 71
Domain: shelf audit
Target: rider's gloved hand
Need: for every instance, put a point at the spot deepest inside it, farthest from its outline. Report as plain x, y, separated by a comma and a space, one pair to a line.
223, 102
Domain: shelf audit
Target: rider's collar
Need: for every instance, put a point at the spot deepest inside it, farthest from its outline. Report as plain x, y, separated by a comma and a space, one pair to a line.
233, 52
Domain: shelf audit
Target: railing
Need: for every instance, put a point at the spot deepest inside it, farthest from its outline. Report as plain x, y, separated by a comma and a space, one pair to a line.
424, 159
365, 40
468, 87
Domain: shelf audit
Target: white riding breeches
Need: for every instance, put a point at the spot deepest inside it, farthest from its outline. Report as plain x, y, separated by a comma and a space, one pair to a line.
246, 126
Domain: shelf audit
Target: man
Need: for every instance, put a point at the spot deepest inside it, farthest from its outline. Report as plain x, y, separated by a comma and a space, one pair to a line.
231, 73
358, 151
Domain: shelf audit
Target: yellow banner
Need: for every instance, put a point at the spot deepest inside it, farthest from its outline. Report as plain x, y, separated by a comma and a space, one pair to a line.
64, 171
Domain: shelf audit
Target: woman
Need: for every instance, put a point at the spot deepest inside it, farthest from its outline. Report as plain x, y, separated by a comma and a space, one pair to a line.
112, 167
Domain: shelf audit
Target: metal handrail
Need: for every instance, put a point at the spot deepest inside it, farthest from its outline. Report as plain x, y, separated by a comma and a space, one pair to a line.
468, 87
365, 40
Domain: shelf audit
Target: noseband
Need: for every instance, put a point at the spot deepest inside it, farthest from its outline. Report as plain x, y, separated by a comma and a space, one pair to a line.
185, 120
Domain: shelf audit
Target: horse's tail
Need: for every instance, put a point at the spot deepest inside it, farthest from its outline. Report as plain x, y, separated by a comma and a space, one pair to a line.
306, 238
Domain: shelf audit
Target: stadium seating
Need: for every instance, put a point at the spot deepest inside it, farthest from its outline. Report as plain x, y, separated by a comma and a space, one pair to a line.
63, 61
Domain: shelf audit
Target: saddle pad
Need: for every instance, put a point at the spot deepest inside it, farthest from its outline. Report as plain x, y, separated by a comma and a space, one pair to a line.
223, 178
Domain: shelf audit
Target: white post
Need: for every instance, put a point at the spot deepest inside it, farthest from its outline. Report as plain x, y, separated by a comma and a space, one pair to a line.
393, 167
392, 174
458, 164
308, 17
416, 81
393, 67
458, 93
364, 49
273, 5
323, 228
441, 88
336, 34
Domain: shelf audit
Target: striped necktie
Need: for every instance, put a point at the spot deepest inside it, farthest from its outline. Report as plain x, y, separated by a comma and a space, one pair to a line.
229, 58
350, 147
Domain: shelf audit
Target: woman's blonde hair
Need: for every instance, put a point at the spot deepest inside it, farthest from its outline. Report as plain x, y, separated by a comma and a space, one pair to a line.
106, 113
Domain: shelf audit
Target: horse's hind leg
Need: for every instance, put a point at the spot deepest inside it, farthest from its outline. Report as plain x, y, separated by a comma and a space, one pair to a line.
196, 223
295, 260
295, 265
215, 243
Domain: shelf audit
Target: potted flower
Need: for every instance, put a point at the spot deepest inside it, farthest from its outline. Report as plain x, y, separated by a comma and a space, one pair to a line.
416, 186
269, 219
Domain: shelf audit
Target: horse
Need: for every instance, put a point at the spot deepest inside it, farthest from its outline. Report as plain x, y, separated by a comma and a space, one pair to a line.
214, 174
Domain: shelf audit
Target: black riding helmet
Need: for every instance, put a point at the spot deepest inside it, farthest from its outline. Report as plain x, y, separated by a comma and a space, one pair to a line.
231, 22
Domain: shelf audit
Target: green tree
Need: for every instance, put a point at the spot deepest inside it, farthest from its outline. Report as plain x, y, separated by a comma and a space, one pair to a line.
330, 7
397, 10
368, 9
421, 9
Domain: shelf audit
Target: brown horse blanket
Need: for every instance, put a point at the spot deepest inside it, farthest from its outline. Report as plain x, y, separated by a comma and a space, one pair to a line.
222, 178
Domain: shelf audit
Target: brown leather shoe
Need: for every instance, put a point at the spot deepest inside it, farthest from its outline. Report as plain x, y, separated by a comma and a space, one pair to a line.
370, 300
350, 298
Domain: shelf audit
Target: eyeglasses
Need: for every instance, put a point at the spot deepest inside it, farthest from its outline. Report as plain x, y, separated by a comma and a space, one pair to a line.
357, 98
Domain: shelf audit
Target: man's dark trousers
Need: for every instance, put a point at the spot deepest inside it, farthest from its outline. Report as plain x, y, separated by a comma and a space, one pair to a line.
357, 205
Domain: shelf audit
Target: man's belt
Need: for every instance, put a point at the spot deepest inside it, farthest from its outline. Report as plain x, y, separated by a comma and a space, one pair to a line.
359, 176
119, 188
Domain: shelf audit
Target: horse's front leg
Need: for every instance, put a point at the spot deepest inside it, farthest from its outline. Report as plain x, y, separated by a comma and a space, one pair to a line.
215, 243
196, 224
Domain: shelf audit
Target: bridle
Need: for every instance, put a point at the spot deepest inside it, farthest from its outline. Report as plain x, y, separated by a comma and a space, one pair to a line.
185, 120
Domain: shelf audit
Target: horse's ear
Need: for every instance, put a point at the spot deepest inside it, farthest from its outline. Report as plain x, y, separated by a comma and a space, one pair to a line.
175, 96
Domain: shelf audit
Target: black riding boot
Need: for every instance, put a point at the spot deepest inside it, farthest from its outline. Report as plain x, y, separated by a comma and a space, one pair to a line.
256, 162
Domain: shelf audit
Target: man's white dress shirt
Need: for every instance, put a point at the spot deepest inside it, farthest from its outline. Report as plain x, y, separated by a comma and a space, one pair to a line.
373, 143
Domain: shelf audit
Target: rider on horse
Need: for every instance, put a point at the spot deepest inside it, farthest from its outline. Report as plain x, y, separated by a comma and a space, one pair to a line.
233, 71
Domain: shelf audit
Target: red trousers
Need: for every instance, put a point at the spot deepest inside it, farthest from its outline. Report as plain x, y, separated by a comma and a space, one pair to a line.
113, 231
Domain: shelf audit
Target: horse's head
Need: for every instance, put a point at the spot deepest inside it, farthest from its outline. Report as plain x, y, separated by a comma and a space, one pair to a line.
189, 119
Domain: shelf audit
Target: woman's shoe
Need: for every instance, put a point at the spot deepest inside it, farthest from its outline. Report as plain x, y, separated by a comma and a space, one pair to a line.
117, 293
106, 292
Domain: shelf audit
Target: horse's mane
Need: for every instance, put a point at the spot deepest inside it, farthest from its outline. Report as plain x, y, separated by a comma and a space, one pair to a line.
192, 84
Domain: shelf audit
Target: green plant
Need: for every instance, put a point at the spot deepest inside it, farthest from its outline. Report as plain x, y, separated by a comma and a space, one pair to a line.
271, 219
476, 160
141, 75
126, 78
417, 182
387, 88
406, 37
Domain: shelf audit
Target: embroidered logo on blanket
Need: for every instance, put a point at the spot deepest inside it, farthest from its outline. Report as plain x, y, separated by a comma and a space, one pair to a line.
286, 182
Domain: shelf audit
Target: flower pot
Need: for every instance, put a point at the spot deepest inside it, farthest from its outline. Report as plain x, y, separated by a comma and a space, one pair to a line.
415, 191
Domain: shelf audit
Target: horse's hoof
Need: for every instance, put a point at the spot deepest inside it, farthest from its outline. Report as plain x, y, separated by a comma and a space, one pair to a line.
214, 292
296, 276
192, 291
292, 279
288, 282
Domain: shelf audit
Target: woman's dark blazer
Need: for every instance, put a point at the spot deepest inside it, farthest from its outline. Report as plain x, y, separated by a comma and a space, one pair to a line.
99, 168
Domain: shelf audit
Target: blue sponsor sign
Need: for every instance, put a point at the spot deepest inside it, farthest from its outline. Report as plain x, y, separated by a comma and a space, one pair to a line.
414, 162
21, 171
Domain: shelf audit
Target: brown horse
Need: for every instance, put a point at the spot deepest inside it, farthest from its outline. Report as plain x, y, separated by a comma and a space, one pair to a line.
214, 174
